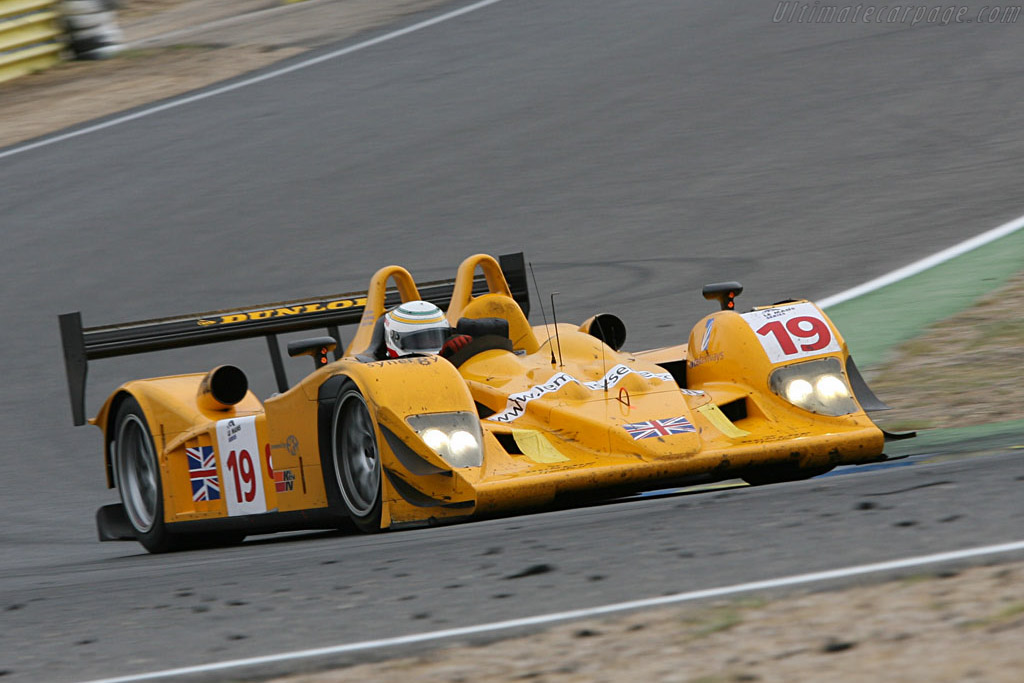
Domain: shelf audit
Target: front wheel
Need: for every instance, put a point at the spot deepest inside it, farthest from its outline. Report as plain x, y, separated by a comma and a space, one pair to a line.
355, 456
137, 470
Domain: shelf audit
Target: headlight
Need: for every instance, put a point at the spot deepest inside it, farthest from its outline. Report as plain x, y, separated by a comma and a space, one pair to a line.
435, 438
798, 390
817, 386
831, 387
455, 437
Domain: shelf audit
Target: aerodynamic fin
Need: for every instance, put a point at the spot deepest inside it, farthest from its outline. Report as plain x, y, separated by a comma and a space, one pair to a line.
866, 397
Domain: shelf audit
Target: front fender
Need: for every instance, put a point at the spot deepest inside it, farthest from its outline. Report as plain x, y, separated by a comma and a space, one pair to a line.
413, 385
394, 390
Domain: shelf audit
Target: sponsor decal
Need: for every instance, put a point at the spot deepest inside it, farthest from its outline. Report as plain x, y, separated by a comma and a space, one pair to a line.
692, 392
291, 444
516, 403
664, 427
231, 430
283, 311
707, 358
613, 376
284, 480
707, 334
202, 471
408, 360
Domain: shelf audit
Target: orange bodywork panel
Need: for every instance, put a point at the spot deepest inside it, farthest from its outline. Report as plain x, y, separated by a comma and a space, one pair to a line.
559, 414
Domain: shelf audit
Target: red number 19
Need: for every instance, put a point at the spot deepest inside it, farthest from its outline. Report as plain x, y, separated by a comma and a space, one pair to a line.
242, 468
804, 327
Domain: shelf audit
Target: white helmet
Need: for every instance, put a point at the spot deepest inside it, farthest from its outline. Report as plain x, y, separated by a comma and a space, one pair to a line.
415, 327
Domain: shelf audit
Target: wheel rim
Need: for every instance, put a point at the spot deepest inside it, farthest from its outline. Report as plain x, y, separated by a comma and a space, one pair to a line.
356, 460
137, 473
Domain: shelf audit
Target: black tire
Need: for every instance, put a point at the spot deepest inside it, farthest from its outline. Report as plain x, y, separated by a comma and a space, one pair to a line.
137, 472
781, 473
355, 458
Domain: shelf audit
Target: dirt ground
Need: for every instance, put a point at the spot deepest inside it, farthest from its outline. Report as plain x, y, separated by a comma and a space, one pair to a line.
967, 627
946, 627
174, 46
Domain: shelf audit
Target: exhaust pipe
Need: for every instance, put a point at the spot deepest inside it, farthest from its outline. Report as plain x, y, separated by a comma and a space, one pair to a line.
223, 387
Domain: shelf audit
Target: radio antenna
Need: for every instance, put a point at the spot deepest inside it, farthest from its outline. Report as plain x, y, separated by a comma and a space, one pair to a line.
604, 369
540, 299
558, 339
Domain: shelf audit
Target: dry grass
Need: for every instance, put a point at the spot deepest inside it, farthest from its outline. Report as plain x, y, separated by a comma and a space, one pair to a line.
966, 370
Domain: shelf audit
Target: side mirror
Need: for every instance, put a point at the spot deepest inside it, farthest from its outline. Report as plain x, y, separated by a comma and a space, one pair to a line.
724, 293
317, 348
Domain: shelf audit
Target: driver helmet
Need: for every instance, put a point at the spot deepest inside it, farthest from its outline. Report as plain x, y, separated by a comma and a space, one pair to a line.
415, 327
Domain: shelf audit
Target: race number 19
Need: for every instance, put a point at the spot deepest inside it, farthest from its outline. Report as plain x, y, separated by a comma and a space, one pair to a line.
238, 451
803, 327
791, 332
240, 465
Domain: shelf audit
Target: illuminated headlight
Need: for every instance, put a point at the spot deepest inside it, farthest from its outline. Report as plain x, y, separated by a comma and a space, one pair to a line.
830, 387
435, 438
817, 386
455, 437
798, 390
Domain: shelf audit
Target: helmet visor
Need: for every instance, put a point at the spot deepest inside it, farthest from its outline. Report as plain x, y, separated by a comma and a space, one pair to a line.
424, 341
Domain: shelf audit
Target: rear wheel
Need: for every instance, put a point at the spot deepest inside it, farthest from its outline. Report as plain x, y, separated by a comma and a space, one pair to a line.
137, 470
355, 456
138, 478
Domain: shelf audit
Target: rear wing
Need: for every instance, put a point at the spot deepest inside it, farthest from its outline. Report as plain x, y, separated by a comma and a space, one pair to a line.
82, 344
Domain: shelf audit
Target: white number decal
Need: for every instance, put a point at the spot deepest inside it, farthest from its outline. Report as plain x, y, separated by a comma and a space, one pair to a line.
790, 332
238, 450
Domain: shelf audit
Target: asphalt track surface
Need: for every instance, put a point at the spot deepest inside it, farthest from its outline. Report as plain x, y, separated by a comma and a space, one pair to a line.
634, 150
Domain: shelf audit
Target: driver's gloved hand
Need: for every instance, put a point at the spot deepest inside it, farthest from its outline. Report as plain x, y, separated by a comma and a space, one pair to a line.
454, 344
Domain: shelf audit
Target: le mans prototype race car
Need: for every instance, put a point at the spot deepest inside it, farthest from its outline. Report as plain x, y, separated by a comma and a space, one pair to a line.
521, 417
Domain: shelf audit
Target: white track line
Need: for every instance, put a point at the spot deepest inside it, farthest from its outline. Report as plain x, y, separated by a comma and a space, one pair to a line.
544, 619
925, 263
248, 81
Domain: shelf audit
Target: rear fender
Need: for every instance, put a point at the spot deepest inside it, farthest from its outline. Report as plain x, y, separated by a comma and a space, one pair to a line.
171, 408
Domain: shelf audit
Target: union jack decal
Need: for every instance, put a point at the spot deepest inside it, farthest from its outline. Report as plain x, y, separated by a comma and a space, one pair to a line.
202, 471
665, 427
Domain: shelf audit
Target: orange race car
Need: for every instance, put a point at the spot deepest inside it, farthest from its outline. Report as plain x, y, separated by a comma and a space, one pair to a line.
519, 417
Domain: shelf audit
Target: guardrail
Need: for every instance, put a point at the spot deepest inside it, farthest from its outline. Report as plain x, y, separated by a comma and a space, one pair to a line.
93, 32
30, 37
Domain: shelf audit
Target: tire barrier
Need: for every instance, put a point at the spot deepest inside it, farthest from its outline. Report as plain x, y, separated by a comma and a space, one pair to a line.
31, 38
92, 27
